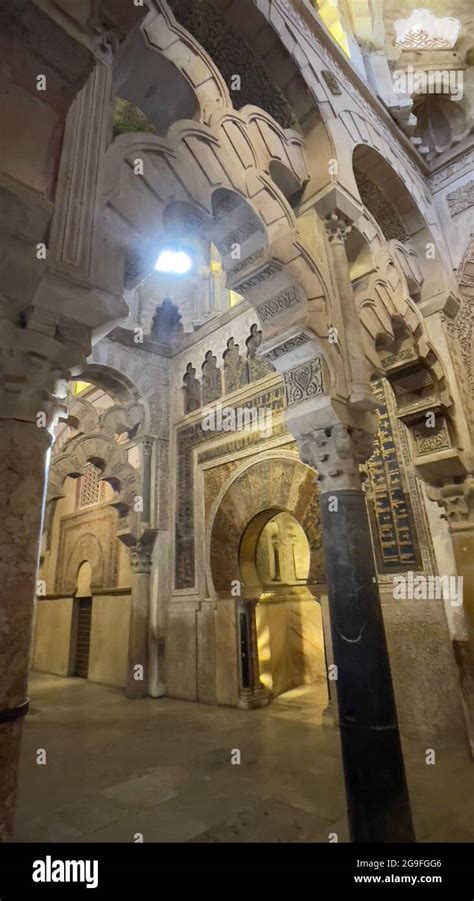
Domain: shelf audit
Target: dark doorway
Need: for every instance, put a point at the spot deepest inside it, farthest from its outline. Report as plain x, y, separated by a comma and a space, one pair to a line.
83, 637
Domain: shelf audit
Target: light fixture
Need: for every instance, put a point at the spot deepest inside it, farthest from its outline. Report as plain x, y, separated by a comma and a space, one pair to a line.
177, 262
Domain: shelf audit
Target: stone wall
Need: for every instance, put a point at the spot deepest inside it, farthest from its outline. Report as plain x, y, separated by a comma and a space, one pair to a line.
423, 670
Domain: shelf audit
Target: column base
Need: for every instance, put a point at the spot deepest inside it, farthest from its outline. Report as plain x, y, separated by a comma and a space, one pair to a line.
328, 719
250, 698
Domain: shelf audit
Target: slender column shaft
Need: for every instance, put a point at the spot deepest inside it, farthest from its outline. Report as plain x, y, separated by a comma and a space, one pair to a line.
376, 789
138, 643
377, 795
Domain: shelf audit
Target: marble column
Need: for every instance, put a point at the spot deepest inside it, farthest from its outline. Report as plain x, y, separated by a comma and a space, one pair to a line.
23, 450
138, 642
33, 368
252, 693
376, 788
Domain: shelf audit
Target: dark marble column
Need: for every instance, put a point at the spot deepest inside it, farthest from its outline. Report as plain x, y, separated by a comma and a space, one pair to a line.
252, 693
377, 796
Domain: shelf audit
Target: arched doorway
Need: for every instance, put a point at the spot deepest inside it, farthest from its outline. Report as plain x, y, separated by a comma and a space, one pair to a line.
266, 564
275, 563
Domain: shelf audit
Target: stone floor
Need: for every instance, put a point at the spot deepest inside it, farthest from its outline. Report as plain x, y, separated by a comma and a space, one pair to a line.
162, 768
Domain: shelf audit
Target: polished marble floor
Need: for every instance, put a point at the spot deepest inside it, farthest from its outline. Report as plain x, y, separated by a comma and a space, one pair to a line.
163, 769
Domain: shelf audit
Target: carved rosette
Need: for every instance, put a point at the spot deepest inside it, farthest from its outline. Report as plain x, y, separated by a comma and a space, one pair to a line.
336, 454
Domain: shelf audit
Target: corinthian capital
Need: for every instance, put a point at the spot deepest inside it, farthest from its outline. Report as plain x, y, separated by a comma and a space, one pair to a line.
336, 454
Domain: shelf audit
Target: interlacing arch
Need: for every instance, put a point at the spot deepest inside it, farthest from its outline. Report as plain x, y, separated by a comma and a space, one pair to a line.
108, 456
214, 179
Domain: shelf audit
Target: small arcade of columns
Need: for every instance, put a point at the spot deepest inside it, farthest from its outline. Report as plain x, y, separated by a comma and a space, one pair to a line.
229, 176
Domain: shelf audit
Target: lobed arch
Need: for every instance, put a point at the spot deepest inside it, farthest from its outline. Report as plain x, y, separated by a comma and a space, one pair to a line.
117, 419
108, 456
276, 272
401, 217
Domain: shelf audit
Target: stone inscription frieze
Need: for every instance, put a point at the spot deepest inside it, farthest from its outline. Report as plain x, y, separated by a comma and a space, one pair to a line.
279, 304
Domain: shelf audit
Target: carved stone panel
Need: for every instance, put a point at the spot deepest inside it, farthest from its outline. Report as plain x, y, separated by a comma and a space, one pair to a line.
430, 440
88, 535
304, 382
461, 199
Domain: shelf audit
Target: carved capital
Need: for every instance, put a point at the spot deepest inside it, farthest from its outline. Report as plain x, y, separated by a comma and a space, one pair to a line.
34, 369
336, 454
140, 557
337, 227
456, 500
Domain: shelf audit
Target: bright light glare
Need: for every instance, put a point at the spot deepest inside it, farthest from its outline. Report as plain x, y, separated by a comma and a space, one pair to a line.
176, 261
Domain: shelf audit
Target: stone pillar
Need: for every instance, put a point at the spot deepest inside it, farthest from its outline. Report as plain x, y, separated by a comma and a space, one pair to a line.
138, 641
337, 229
377, 795
456, 498
33, 366
23, 450
457, 501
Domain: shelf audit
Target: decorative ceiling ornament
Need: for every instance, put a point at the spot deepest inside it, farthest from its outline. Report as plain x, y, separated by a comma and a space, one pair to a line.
441, 123
424, 31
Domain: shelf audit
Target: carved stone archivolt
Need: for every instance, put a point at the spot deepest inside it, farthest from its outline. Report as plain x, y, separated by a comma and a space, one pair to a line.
381, 208
232, 55
275, 483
